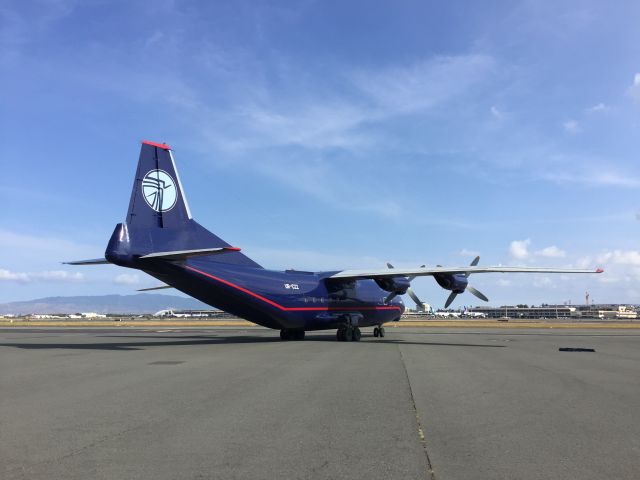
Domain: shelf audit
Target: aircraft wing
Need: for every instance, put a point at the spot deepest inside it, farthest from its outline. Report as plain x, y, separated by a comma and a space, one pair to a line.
418, 272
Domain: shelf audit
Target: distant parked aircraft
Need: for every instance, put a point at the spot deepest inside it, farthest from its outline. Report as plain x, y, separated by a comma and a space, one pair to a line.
161, 238
468, 313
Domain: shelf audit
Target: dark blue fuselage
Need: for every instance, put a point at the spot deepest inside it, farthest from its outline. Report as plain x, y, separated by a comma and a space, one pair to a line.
282, 300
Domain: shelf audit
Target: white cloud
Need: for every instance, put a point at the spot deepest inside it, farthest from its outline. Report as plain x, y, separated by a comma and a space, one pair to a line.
468, 253
61, 275
634, 90
596, 178
8, 275
271, 121
315, 121
571, 126
621, 267
620, 257
127, 279
496, 113
44, 276
551, 252
422, 85
598, 108
519, 249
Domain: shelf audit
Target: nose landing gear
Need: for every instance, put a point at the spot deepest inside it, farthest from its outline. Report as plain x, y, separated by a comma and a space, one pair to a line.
378, 332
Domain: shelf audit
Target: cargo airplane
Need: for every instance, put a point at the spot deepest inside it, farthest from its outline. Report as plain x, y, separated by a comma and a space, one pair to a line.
160, 237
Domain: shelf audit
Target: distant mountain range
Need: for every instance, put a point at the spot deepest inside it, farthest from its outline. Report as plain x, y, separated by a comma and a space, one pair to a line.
135, 304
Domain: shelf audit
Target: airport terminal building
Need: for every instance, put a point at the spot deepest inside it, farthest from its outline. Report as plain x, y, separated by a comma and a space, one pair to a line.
619, 312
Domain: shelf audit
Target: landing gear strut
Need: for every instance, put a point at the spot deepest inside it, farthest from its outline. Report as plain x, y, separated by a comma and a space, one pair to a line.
378, 332
291, 334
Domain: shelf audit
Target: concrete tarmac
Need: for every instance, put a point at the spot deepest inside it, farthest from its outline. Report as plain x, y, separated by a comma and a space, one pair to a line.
240, 404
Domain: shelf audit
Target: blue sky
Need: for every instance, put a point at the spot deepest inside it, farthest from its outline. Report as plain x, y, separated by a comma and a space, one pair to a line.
328, 135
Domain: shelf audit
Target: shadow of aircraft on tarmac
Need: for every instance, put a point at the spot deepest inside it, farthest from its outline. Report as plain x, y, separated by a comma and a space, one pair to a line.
166, 341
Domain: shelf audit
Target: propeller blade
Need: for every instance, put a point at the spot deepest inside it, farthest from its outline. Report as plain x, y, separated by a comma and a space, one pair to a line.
478, 294
390, 297
450, 300
473, 263
414, 297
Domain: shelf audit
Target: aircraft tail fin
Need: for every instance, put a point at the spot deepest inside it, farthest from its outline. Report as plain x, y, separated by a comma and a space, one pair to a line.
157, 198
159, 223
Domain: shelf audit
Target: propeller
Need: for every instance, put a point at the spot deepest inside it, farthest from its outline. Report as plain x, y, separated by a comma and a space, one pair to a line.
410, 291
470, 289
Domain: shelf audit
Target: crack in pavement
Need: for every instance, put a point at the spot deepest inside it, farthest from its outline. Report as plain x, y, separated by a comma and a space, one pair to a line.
423, 442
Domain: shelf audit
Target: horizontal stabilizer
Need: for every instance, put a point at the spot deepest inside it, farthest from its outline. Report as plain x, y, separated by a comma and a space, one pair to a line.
184, 254
159, 287
93, 261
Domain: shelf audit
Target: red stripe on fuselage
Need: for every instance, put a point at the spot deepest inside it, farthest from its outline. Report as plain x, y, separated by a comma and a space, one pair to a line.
287, 309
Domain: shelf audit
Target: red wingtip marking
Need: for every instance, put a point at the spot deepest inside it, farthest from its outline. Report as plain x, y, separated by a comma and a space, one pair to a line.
155, 144
599, 270
232, 249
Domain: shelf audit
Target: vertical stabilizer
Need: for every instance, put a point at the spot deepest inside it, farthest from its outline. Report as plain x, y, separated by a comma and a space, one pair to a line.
159, 219
157, 199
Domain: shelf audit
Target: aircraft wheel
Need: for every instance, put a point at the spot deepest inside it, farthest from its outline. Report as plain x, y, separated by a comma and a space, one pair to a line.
284, 334
348, 334
357, 334
299, 335
376, 332
340, 335
381, 331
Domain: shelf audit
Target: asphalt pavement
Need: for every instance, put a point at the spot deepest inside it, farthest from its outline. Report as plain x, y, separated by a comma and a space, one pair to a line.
230, 403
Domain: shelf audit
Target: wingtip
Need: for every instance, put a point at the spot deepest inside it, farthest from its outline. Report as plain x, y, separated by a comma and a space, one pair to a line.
599, 270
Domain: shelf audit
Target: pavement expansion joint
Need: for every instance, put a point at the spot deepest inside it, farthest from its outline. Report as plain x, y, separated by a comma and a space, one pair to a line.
421, 436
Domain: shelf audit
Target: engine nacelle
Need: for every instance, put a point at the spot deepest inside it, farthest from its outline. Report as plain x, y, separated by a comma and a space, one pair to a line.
397, 285
456, 282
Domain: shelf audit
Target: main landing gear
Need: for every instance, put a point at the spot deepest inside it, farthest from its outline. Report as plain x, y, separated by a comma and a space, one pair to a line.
349, 331
291, 334
378, 332
348, 334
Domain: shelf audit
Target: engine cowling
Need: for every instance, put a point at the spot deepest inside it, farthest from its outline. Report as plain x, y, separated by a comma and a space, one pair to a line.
397, 285
456, 282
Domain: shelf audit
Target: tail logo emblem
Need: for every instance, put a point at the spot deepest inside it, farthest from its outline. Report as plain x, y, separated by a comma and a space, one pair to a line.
159, 190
